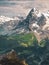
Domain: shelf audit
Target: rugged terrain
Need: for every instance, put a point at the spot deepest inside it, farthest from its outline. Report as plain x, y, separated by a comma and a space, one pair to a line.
36, 21
11, 58
28, 36
27, 47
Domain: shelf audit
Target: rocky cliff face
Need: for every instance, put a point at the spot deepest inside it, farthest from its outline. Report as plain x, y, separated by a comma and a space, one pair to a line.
36, 21
11, 58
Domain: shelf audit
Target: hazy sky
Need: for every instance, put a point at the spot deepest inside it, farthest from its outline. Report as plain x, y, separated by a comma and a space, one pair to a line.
21, 7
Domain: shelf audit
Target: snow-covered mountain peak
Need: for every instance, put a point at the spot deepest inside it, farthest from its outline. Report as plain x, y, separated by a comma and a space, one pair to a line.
4, 19
36, 20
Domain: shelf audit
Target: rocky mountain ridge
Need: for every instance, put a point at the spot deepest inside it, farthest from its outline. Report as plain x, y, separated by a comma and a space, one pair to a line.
36, 21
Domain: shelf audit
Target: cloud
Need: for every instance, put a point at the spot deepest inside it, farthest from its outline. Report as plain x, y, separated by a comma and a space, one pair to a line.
21, 7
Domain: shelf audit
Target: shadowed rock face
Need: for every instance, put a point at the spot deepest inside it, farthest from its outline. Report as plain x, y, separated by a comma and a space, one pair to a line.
12, 59
36, 22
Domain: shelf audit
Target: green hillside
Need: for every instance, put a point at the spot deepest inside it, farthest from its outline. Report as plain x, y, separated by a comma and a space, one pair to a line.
26, 46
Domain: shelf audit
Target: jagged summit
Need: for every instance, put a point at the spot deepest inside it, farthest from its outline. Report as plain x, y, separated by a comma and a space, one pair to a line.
33, 10
31, 17
35, 21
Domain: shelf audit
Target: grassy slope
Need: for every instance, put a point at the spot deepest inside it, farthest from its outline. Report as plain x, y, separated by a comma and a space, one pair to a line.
24, 39
26, 46
17, 41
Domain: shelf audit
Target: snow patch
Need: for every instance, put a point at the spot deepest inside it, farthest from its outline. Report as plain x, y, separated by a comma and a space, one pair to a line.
4, 19
35, 25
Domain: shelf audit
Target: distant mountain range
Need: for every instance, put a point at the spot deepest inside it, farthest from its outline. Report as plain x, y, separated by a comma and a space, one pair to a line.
36, 21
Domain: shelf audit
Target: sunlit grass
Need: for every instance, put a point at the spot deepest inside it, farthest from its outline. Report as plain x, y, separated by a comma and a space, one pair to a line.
23, 39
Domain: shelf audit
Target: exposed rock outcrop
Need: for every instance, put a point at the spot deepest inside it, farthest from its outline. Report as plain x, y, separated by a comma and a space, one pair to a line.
11, 58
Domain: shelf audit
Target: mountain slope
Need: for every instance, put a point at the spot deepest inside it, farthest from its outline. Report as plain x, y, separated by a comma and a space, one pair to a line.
36, 21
